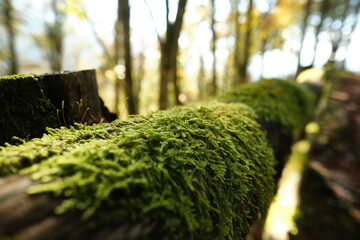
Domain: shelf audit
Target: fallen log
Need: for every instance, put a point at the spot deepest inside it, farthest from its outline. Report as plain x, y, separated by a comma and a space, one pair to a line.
283, 109
198, 172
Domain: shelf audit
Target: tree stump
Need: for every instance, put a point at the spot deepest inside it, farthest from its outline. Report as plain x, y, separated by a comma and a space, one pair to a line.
71, 89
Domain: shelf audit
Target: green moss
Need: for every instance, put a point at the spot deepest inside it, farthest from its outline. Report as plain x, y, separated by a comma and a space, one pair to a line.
200, 172
25, 112
279, 101
55, 142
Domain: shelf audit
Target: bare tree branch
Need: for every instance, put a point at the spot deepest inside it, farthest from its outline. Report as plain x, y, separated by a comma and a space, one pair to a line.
152, 17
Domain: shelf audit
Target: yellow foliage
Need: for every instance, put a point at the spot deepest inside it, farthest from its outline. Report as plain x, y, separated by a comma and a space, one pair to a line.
75, 7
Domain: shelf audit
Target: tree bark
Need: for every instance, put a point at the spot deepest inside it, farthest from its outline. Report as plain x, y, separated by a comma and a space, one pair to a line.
237, 39
8, 11
263, 50
213, 49
169, 50
201, 79
118, 54
164, 76
117, 89
307, 11
248, 37
341, 64
55, 36
72, 88
139, 75
124, 11
33, 217
323, 11
353, 26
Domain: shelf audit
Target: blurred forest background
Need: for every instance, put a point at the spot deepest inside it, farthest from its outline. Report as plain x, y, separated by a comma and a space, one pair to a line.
153, 54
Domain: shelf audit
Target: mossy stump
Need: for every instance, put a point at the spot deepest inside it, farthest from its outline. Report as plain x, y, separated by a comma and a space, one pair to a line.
31, 103
25, 111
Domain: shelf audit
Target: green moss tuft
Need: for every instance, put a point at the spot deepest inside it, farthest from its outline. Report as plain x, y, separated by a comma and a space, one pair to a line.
278, 101
57, 141
25, 112
200, 172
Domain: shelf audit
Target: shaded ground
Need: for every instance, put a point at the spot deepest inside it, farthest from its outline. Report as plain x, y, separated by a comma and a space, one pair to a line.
330, 191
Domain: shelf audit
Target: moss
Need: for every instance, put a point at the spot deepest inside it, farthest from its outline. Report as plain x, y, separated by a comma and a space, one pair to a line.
278, 101
55, 142
199, 172
25, 112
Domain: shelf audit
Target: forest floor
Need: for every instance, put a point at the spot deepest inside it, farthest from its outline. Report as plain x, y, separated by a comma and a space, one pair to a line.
330, 189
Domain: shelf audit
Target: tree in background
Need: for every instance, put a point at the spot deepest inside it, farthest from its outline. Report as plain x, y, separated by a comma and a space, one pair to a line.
341, 32
52, 42
169, 48
213, 48
338, 15
236, 16
9, 23
244, 43
124, 14
201, 78
55, 34
248, 38
139, 72
119, 54
356, 9
324, 9
269, 29
338, 20
304, 25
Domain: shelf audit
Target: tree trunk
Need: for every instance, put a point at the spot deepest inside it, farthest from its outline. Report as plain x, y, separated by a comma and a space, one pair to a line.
10, 28
341, 38
263, 50
125, 14
117, 87
248, 38
353, 26
213, 49
237, 39
169, 50
323, 11
173, 71
112, 62
55, 34
307, 11
139, 75
164, 77
201, 79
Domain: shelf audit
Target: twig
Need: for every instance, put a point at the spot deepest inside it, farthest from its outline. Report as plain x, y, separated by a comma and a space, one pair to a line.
152, 17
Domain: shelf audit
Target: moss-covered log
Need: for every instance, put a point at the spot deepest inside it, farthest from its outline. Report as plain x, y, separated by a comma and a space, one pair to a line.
283, 108
195, 172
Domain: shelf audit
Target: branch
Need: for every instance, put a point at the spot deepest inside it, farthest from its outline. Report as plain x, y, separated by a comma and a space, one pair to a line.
152, 17
167, 13
101, 42
179, 17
